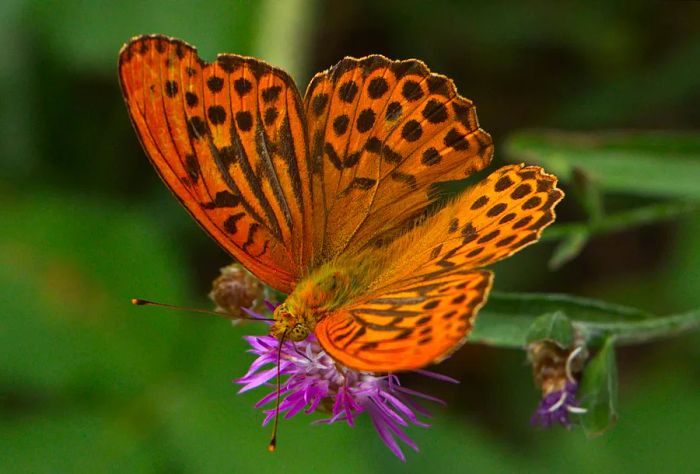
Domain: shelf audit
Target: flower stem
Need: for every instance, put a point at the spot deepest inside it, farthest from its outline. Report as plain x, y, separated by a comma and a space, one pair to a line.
507, 318
638, 332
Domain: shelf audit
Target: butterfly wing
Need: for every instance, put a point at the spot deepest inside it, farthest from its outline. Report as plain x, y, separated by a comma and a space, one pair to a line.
428, 287
487, 223
229, 140
408, 326
381, 132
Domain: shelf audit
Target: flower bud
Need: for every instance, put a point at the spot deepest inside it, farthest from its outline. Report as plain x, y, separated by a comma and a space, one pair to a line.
553, 369
237, 288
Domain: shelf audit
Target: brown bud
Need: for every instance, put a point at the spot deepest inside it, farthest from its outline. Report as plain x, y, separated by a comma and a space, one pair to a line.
237, 288
553, 366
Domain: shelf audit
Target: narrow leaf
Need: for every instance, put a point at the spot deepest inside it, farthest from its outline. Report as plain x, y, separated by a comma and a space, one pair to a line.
568, 249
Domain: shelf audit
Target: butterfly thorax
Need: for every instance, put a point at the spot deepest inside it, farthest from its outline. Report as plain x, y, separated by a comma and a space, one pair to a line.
324, 290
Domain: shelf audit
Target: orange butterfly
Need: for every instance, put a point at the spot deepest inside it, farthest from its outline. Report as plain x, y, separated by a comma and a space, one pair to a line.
327, 198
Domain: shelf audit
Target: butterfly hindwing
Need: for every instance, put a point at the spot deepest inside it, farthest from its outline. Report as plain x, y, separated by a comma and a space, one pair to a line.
408, 326
381, 132
229, 140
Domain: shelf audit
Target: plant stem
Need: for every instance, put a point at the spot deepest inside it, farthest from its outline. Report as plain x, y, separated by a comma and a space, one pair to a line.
623, 220
638, 332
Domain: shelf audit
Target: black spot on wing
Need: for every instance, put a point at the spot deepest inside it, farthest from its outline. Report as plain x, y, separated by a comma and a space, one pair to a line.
196, 127
318, 104
377, 87
340, 124
347, 91
270, 116
411, 131
456, 140
333, 156
171, 88
192, 167
250, 239
223, 199
191, 99
244, 120
230, 224
271, 93
216, 114
435, 111
242, 86
365, 121
215, 84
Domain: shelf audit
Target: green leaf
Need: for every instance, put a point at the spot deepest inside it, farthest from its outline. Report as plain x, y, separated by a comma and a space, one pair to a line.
588, 194
507, 318
554, 327
598, 391
661, 164
568, 249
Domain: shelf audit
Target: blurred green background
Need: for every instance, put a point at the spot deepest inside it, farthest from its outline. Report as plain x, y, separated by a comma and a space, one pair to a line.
89, 383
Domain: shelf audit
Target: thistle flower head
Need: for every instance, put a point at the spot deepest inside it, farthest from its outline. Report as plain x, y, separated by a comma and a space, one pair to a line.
316, 382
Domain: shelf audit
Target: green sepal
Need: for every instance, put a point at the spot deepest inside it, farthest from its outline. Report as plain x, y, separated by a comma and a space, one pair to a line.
554, 327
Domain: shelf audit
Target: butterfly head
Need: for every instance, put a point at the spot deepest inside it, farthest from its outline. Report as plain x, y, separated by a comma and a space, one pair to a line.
289, 324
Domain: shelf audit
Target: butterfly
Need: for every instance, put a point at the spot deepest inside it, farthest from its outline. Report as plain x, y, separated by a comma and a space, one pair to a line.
329, 197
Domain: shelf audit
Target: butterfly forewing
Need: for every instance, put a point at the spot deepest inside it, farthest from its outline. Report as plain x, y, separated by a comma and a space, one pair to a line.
381, 132
500, 215
490, 221
229, 140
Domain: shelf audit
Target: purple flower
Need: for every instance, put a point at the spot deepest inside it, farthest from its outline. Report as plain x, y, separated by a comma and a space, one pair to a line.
316, 382
557, 406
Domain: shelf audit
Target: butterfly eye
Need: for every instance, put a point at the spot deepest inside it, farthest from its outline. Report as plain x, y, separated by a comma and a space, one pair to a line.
299, 332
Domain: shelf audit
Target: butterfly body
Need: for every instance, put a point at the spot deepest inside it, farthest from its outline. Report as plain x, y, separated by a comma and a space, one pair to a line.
328, 288
327, 197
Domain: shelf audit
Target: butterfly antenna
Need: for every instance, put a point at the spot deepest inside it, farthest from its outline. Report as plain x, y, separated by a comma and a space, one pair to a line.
141, 302
273, 441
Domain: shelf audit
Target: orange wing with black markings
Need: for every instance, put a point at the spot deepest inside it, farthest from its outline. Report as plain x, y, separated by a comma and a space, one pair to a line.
408, 317
381, 132
489, 222
229, 139
409, 326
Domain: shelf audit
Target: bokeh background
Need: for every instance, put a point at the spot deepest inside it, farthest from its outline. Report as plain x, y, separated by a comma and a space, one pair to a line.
89, 383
